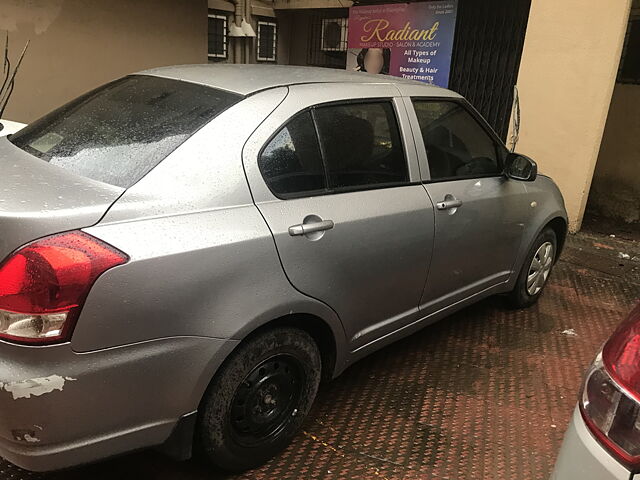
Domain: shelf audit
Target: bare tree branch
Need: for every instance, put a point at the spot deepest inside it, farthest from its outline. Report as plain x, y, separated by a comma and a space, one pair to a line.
7, 88
6, 64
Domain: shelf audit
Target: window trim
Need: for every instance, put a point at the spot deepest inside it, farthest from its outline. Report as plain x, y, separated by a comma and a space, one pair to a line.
275, 41
336, 191
225, 36
499, 145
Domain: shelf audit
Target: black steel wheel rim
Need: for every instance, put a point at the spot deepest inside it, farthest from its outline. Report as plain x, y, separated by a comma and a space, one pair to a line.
267, 400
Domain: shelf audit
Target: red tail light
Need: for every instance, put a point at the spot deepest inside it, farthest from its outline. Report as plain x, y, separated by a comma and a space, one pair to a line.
610, 403
44, 284
621, 354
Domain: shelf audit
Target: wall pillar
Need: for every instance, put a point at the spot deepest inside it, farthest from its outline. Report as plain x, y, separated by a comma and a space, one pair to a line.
571, 54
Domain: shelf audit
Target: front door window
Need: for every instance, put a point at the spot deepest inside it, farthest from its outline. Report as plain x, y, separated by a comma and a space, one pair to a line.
457, 146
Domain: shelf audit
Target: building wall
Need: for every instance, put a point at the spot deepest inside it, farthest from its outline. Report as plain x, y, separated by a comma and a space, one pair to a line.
294, 41
293, 19
244, 49
77, 45
615, 191
285, 27
567, 74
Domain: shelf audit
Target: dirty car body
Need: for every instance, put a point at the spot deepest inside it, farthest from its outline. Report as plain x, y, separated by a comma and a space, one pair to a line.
207, 205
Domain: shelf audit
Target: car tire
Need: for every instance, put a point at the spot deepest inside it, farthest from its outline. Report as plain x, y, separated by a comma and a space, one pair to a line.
526, 293
259, 399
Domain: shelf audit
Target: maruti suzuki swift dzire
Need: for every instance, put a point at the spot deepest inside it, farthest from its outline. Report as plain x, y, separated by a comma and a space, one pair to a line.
186, 252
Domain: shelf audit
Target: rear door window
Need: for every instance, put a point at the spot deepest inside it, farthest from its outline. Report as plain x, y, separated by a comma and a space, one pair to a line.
291, 163
117, 133
361, 145
335, 148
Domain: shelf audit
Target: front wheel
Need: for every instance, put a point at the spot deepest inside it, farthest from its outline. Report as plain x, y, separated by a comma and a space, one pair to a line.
535, 270
259, 399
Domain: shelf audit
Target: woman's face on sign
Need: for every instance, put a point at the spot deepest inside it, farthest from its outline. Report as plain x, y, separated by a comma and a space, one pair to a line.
374, 60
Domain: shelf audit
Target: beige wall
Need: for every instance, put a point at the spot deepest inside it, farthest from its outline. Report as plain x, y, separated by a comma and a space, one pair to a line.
79, 44
615, 191
571, 54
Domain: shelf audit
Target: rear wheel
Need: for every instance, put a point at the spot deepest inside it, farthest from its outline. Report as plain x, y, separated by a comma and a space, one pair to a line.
259, 399
535, 270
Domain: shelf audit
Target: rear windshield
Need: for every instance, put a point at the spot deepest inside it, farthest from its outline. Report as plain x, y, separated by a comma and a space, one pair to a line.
117, 133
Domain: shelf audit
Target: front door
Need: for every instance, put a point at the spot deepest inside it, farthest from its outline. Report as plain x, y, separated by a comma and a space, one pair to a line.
350, 227
478, 213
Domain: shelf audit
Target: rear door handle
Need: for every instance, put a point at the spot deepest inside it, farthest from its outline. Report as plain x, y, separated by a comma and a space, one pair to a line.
305, 228
448, 204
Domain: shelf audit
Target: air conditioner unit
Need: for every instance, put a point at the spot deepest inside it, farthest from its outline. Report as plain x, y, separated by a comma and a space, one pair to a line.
334, 34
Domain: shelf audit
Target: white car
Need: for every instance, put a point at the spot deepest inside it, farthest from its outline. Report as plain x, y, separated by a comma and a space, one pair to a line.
7, 127
603, 439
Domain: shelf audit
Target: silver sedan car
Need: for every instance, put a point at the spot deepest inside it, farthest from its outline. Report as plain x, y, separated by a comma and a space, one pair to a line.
186, 252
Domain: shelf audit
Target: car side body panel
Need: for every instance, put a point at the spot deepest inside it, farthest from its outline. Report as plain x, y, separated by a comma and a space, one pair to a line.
544, 201
371, 267
224, 276
581, 457
538, 203
475, 245
477, 242
528, 206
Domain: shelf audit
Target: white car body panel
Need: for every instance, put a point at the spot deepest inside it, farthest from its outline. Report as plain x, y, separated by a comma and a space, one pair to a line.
10, 127
583, 458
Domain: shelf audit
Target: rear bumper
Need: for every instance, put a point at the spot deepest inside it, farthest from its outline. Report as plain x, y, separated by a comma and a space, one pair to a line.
582, 458
60, 408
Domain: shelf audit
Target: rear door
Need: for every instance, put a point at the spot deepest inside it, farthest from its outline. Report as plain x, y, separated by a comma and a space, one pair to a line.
479, 212
334, 173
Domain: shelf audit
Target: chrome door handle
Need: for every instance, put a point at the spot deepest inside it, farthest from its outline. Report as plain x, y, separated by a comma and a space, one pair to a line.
305, 228
447, 204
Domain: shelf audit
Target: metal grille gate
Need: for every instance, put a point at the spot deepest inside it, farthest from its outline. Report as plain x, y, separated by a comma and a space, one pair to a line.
327, 45
486, 56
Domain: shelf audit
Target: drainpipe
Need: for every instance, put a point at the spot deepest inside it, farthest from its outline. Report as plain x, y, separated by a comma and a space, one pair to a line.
238, 13
248, 43
241, 28
235, 30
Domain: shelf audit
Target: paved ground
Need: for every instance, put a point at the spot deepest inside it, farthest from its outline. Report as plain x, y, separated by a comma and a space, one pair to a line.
485, 394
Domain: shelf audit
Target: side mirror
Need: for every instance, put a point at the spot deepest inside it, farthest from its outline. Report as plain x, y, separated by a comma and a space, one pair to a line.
520, 167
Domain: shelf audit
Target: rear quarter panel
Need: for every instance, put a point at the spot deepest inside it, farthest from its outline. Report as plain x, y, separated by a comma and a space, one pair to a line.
212, 274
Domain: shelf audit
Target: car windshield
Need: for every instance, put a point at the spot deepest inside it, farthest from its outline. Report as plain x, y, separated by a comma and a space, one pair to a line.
117, 133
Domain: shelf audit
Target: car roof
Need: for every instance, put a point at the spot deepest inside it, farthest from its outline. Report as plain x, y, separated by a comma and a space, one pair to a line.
248, 79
